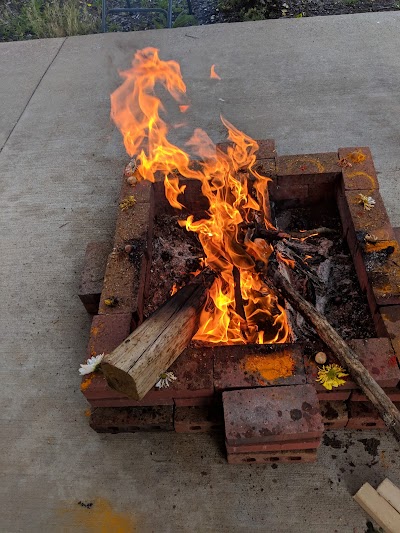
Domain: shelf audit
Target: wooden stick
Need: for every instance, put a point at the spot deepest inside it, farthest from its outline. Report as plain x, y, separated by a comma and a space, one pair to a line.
346, 356
135, 366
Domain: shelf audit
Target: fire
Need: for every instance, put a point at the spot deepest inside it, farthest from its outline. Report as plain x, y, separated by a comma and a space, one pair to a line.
240, 307
213, 74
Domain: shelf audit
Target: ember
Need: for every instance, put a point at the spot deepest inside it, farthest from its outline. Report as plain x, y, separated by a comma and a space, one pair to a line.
240, 307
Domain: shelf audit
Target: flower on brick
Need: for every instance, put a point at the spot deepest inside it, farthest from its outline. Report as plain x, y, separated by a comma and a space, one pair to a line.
165, 379
91, 365
330, 376
367, 201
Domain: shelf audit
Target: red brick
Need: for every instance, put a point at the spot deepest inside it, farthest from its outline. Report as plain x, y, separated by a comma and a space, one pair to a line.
124, 282
391, 320
374, 354
234, 366
384, 273
375, 221
334, 414
275, 446
364, 415
125, 401
280, 414
311, 369
308, 169
377, 356
290, 192
393, 394
299, 456
194, 372
194, 401
132, 419
198, 419
266, 149
334, 395
106, 333
127, 272
94, 266
142, 191
361, 174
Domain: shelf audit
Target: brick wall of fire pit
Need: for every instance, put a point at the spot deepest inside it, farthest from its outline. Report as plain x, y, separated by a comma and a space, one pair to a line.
267, 416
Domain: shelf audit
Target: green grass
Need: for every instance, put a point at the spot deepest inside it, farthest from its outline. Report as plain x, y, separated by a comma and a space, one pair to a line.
48, 18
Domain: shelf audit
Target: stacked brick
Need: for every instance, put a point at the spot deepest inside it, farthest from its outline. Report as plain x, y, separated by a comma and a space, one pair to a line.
267, 418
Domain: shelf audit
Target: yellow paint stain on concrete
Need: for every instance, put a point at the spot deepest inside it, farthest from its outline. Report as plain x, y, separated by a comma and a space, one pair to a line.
271, 367
100, 518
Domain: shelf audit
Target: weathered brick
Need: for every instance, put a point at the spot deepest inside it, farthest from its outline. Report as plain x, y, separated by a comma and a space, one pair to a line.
374, 221
107, 332
361, 174
142, 191
375, 354
292, 193
334, 395
94, 266
303, 444
377, 357
393, 393
312, 368
364, 415
271, 414
299, 456
193, 370
254, 365
132, 419
308, 169
194, 401
334, 414
266, 149
391, 320
198, 419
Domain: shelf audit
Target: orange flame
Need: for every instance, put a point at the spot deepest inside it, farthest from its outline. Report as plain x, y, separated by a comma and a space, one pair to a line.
213, 74
227, 181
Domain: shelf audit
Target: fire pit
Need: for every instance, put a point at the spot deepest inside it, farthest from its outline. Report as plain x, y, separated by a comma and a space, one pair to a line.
251, 364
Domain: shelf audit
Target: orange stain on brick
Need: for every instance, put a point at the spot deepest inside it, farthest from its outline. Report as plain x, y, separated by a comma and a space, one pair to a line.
356, 157
87, 381
99, 518
269, 368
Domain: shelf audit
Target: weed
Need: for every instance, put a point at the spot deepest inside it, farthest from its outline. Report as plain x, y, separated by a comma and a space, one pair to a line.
48, 18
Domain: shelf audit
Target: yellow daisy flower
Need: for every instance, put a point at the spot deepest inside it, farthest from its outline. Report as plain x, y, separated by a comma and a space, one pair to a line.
329, 376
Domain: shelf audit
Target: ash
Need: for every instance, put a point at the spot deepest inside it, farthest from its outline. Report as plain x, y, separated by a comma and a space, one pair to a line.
177, 254
341, 299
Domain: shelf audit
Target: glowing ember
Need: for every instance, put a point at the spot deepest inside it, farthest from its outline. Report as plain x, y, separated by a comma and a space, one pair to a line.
235, 191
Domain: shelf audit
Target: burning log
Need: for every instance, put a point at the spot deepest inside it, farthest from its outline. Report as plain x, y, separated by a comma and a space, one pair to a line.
387, 410
135, 366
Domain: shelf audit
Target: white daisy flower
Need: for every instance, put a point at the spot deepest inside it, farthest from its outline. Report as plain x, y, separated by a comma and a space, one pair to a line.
367, 201
165, 379
91, 364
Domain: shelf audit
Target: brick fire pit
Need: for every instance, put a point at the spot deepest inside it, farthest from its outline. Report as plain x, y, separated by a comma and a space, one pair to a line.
278, 420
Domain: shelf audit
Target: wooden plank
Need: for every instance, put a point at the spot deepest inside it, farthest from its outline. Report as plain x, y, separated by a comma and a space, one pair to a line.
390, 492
378, 508
135, 365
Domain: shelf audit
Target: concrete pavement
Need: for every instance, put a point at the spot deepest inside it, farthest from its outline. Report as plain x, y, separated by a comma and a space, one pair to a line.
312, 84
